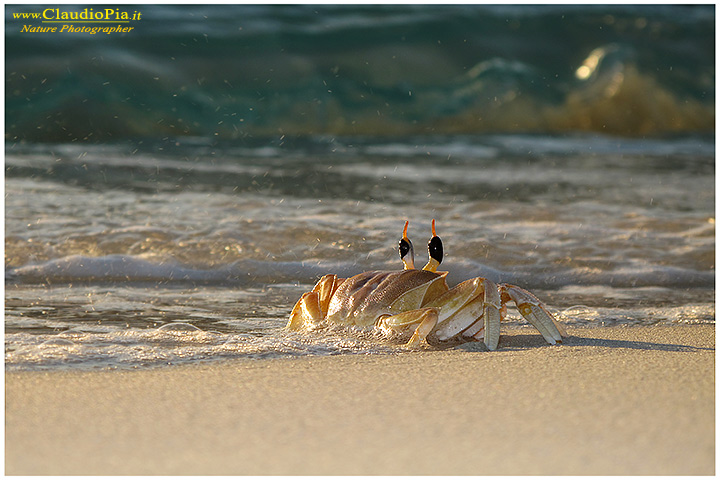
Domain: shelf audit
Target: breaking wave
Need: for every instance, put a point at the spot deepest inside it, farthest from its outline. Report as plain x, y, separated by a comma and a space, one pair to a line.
238, 72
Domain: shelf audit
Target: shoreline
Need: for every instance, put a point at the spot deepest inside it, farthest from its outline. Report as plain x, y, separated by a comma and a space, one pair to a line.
614, 400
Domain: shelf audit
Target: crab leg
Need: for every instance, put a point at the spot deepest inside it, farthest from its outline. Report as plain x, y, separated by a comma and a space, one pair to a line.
465, 305
426, 318
313, 305
477, 329
471, 313
307, 311
325, 287
493, 305
534, 312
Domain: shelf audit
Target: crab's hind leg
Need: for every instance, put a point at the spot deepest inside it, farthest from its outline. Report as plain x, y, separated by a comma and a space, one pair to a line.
306, 312
426, 318
325, 287
313, 305
534, 312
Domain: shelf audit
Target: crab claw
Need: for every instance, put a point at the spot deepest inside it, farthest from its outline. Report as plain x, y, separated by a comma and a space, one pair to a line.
535, 312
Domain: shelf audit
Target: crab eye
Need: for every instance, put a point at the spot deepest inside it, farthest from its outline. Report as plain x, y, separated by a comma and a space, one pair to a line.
404, 247
435, 249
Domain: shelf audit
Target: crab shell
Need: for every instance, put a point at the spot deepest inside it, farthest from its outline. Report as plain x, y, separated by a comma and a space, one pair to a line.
403, 300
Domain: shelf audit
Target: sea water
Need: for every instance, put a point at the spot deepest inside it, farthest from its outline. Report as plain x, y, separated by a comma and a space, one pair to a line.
170, 195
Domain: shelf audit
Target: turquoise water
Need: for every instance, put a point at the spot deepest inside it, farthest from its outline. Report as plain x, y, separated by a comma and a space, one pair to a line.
236, 72
309, 135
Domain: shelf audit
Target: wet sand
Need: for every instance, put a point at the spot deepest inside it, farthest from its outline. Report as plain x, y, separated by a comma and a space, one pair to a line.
637, 400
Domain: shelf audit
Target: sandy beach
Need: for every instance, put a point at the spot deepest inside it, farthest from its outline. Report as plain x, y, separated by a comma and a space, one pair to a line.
636, 400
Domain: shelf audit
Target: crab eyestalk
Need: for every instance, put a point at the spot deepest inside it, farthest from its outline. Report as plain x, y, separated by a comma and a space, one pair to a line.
435, 250
405, 247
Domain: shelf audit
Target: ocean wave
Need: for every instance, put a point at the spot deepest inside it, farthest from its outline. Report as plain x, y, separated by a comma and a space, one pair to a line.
173, 343
130, 270
406, 70
177, 343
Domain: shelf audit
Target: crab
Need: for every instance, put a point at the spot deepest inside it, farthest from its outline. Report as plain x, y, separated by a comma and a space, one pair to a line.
419, 303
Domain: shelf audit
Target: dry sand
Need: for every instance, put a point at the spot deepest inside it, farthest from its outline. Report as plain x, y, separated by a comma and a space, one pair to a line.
634, 400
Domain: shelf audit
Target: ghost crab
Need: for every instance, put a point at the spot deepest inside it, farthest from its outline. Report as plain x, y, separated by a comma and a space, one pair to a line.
400, 301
